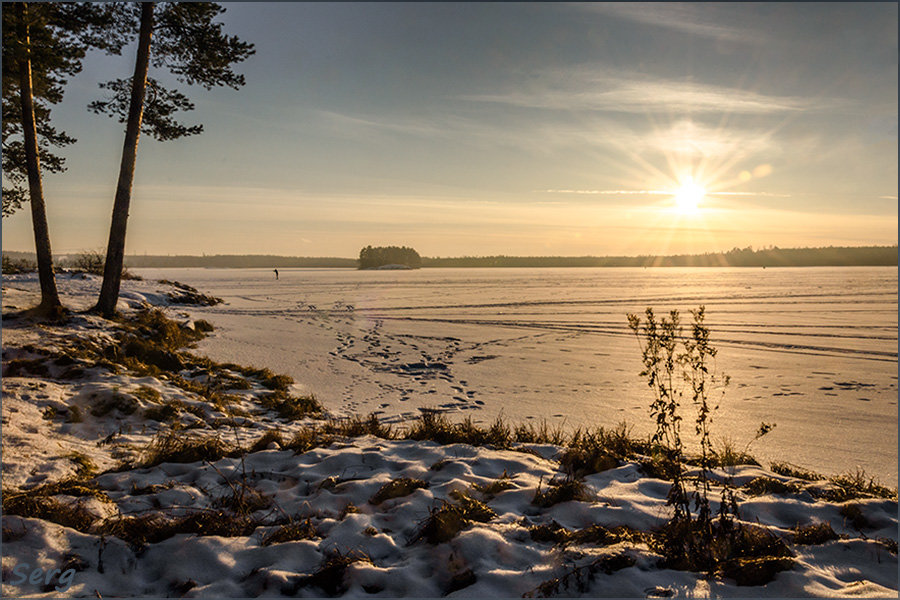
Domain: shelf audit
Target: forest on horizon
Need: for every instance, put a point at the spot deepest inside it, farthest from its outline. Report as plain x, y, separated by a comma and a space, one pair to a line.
831, 256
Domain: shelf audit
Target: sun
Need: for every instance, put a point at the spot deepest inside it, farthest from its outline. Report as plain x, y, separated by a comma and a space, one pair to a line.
689, 196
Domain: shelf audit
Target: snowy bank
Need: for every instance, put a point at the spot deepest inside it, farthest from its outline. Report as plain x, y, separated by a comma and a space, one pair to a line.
143, 470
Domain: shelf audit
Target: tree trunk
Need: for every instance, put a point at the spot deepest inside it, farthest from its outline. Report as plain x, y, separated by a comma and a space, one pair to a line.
115, 252
50, 303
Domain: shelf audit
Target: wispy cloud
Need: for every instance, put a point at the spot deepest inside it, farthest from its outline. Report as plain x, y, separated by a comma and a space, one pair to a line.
355, 124
656, 193
760, 194
608, 192
697, 20
601, 91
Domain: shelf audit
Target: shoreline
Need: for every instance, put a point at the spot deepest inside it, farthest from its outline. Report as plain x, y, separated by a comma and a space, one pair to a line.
332, 486
239, 465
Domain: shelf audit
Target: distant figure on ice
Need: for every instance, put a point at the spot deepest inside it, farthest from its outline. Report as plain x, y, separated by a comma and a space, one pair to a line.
276, 273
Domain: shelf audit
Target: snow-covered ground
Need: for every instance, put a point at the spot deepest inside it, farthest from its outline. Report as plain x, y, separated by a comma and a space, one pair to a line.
813, 350
320, 507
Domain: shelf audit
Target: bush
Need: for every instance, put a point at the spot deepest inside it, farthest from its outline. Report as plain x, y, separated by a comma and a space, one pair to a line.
94, 262
12, 266
679, 366
89, 261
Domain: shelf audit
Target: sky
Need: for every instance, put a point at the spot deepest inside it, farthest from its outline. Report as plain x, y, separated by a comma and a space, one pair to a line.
499, 128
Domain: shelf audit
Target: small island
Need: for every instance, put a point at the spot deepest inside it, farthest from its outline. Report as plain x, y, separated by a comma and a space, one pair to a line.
389, 257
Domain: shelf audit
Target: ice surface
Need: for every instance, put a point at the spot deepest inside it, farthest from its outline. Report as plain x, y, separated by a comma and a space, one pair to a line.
813, 350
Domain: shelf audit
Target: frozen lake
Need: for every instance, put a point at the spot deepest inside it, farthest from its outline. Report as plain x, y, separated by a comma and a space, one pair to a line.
813, 350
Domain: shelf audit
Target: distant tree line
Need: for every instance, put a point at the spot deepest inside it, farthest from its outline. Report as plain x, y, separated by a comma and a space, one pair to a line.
831, 256
25, 261
237, 261
768, 257
379, 256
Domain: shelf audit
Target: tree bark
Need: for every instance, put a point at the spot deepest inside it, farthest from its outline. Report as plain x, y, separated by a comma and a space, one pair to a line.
50, 303
115, 252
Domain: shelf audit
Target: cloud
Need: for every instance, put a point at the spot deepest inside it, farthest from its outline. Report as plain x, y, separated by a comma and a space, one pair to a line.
656, 193
353, 124
608, 192
697, 20
692, 138
601, 91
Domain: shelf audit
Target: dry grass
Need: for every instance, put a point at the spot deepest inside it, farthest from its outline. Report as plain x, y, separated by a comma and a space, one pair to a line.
176, 447
436, 427
529, 433
147, 394
298, 530
41, 503
166, 412
489, 490
25, 367
397, 488
728, 455
309, 437
271, 435
564, 490
290, 407
769, 485
790, 470
748, 554
814, 534
447, 520
596, 535
151, 528
358, 426
85, 467
858, 484
122, 403
330, 577
579, 579
243, 499
189, 295
853, 514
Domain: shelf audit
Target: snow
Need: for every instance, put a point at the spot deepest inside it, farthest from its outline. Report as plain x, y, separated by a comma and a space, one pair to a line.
811, 349
497, 558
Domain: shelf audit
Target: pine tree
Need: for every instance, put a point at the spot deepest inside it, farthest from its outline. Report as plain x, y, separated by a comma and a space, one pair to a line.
43, 43
195, 50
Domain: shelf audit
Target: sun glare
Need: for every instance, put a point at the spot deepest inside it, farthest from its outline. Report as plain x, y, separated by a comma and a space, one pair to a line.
689, 196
